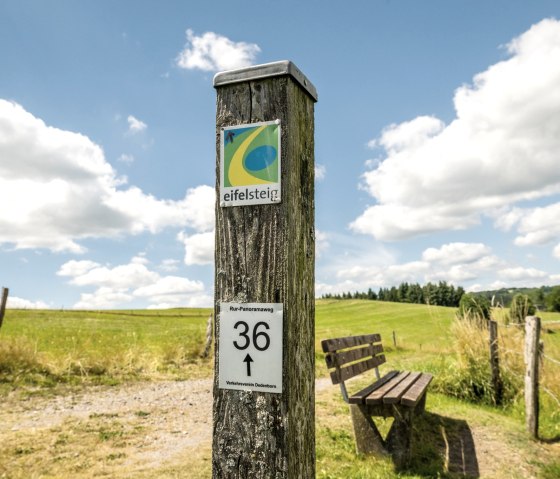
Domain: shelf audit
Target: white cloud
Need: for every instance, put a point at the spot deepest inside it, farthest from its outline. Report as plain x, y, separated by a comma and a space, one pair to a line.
520, 274
19, 303
213, 52
199, 248
103, 298
119, 285
135, 125
556, 251
169, 265
125, 158
120, 277
500, 149
321, 242
77, 268
320, 172
538, 226
56, 188
454, 253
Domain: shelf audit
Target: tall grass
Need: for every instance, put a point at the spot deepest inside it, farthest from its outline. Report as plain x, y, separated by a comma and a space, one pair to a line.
469, 377
48, 347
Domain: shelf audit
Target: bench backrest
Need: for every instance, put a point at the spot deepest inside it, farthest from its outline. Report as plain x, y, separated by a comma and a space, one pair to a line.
353, 355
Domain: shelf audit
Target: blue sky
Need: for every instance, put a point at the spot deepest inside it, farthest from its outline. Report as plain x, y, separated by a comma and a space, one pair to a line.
437, 140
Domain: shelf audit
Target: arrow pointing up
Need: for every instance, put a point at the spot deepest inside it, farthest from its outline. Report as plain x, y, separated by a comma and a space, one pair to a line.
248, 359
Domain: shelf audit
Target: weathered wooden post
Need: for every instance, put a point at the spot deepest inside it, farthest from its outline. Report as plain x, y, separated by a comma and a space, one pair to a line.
3, 302
532, 333
497, 384
264, 425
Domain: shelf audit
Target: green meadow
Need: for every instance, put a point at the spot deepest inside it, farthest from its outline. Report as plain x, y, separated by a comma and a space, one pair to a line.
44, 353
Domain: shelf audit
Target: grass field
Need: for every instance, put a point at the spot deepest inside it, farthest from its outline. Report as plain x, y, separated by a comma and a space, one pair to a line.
42, 350
50, 347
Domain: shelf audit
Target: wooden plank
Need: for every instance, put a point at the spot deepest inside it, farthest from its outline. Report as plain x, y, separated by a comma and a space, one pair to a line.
360, 396
376, 397
394, 395
340, 359
348, 372
417, 390
336, 344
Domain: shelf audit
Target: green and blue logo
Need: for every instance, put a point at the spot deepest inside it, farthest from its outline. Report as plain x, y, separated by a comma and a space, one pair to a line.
251, 155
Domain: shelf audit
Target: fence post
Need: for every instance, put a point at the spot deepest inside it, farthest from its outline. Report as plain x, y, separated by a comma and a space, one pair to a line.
497, 384
209, 331
264, 266
3, 302
532, 333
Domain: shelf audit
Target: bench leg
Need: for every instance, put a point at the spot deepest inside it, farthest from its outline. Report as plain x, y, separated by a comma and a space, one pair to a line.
368, 438
400, 436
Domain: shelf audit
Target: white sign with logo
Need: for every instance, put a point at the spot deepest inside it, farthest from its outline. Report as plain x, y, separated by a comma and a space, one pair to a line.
250, 346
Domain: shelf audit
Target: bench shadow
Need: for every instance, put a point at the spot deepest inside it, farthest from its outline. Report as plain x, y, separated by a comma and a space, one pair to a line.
443, 447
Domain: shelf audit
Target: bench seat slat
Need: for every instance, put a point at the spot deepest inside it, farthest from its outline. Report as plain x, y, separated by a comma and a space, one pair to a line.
376, 397
415, 393
348, 372
330, 345
340, 359
360, 396
395, 394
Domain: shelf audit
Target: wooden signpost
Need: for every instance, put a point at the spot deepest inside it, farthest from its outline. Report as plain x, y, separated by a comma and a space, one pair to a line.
264, 424
532, 334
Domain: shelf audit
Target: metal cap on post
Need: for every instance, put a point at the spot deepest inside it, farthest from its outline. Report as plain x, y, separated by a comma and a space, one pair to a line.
264, 407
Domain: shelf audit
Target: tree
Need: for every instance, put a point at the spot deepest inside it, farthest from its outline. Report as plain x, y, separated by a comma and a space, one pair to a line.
553, 299
474, 307
521, 307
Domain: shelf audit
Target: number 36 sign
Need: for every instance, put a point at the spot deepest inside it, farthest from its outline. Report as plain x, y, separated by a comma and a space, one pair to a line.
250, 351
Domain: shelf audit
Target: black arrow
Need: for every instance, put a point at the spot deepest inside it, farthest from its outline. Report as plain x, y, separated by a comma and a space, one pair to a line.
248, 359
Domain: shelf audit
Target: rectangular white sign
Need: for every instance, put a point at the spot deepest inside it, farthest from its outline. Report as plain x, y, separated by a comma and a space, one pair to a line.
250, 346
250, 163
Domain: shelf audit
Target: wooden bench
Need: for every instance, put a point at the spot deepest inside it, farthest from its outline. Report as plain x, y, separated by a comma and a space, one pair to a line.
398, 394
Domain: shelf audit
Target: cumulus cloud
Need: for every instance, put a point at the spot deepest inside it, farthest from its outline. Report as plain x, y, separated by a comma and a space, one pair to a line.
454, 253
199, 248
213, 52
20, 303
121, 284
501, 148
471, 265
56, 188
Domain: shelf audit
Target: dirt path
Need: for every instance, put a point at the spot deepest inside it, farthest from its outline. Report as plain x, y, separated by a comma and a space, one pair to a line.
144, 427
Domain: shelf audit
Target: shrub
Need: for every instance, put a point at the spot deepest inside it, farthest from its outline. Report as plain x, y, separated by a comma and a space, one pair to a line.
470, 377
521, 307
476, 308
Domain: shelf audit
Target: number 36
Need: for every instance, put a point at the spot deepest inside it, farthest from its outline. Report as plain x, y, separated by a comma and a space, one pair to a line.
261, 340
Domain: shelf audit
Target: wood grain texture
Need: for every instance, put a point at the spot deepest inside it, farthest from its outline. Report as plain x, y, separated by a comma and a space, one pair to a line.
348, 372
340, 359
336, 344
360, 396
3, 301
417, 391
394, 395
376, 397
532, 335
265, 254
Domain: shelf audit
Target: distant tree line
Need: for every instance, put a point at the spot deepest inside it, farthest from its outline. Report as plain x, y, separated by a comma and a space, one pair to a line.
545, 298
440, 294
